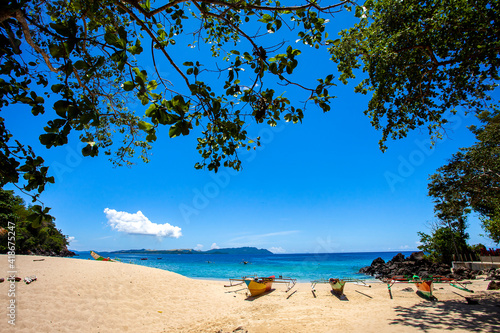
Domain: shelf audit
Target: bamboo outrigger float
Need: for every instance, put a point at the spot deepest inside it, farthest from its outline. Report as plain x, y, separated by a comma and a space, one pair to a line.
424, 285
259, 285
337, 284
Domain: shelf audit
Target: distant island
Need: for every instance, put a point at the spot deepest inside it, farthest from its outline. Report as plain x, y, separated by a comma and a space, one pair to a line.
236, 250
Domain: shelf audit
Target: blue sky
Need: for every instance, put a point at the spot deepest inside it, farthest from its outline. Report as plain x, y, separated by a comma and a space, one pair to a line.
319, 186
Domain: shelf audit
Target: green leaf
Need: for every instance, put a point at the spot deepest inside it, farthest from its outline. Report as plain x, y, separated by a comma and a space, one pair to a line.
128, 86
57, 87
112, 39
266, 18
145, 126
150, 110
61, 108
152, 85
57, 51
174, 131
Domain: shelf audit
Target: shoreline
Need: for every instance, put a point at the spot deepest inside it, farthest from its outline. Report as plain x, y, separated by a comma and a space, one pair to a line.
221, 268
93, 296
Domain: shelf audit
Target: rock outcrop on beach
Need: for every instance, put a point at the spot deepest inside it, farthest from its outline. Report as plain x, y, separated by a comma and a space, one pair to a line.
63, 253
415, 264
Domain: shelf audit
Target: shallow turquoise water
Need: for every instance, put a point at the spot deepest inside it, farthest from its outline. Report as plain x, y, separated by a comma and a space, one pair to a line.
303, 267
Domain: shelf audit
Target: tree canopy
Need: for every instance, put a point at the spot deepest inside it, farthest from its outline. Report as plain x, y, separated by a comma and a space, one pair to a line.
88, 56
423, 59
470, 181
443, 242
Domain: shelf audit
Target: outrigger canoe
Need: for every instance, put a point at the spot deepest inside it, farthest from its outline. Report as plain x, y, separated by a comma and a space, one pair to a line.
337, 284
259, 285
424, 285
98, 257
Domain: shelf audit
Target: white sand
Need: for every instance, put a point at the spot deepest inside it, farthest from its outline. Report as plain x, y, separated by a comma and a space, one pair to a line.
73, 295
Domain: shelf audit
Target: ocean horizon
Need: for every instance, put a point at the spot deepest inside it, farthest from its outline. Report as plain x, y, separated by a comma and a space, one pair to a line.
304, 267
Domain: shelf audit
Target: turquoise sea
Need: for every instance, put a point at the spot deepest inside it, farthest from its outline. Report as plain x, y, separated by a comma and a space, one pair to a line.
303, 267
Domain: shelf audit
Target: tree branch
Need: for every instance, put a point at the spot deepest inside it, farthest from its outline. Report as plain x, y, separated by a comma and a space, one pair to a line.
27, 36
153, 37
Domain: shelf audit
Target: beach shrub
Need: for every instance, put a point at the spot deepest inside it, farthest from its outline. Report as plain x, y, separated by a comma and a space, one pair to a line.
442, 244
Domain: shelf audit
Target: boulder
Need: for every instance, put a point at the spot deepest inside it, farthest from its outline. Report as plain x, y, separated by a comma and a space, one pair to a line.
378, 261
493, 285
417, 256
398, 258
415, 264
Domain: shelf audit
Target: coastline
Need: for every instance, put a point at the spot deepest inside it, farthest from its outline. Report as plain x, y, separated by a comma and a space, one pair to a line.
75, 295
303, 267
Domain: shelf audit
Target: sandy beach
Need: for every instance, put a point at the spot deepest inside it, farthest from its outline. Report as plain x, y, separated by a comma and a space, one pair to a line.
73, 295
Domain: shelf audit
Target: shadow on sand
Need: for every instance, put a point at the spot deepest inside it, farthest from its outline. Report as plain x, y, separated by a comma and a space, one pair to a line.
342, 297
253, 298
451, 315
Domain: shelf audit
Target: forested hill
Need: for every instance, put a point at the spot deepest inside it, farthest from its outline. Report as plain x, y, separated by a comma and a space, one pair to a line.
237, 250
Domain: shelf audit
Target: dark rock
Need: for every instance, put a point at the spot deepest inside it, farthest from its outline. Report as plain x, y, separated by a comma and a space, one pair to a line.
398, 258
423, 274
493, 286
378, 261
413, 265
365, 270
417, 256
66, 253
462, 273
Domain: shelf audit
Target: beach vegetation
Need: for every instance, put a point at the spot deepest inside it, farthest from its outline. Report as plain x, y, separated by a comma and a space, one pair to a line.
443, 243
470, 181
16, 216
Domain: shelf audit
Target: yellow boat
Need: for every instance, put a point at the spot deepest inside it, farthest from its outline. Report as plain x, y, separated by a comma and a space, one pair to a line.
259, 285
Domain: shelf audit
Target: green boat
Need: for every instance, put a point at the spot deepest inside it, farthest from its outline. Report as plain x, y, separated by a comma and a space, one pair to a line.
337, 284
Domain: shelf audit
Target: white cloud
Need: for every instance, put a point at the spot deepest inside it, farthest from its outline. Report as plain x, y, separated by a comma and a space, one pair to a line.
198, 247
139, 224
71, 239
278, 249
214, 246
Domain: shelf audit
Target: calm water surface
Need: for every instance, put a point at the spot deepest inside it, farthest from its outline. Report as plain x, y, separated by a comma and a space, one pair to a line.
303, 267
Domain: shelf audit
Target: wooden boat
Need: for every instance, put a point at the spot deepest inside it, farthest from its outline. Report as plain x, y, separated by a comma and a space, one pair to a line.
424, 288
337, 284
424, 285
98, 257
259, 285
